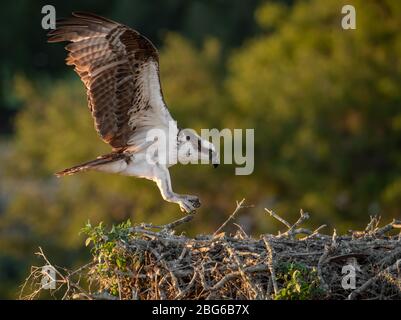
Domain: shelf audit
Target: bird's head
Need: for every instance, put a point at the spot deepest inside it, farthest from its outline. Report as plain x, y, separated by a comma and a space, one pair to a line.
193, 148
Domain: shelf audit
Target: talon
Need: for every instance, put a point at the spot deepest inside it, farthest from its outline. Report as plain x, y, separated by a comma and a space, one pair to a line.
196, 203
189, 204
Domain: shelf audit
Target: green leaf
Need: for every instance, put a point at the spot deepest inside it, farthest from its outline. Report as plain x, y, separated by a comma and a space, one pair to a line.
120, 263
88, 241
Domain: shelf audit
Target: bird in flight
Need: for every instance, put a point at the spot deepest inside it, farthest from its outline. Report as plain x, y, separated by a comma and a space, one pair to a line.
120, 70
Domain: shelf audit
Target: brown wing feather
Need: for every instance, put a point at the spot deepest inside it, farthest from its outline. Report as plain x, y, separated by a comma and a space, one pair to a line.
112, 60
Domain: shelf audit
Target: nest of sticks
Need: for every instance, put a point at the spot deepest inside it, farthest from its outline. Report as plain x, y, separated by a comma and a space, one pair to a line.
155, 263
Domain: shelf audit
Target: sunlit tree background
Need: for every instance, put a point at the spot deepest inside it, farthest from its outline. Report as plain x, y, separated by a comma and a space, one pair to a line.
325, 104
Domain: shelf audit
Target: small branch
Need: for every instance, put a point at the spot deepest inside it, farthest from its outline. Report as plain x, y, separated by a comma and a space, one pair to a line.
320, 263
372, 225
242, 230
334, 239
395, 224
293, 230
314, 233
270, 264
239, 206
304, 216
178, 222
170, 225
277, 217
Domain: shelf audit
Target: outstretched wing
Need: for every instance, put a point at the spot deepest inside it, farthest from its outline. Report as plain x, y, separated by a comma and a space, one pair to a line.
120, 70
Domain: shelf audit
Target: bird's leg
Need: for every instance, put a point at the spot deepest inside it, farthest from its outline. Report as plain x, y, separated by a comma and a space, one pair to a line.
187, 203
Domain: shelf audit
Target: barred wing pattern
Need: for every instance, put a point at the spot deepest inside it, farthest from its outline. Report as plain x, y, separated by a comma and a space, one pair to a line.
120, 70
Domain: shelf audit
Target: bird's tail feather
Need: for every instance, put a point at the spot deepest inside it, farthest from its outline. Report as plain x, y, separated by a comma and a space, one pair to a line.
101, 160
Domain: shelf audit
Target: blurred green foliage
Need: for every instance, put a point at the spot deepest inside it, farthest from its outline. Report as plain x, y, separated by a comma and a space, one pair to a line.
324, 103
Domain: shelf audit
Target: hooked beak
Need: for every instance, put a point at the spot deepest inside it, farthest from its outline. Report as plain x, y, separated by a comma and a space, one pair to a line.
216, 161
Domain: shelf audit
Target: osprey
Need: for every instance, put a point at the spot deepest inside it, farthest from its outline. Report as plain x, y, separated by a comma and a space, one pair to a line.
120, 70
